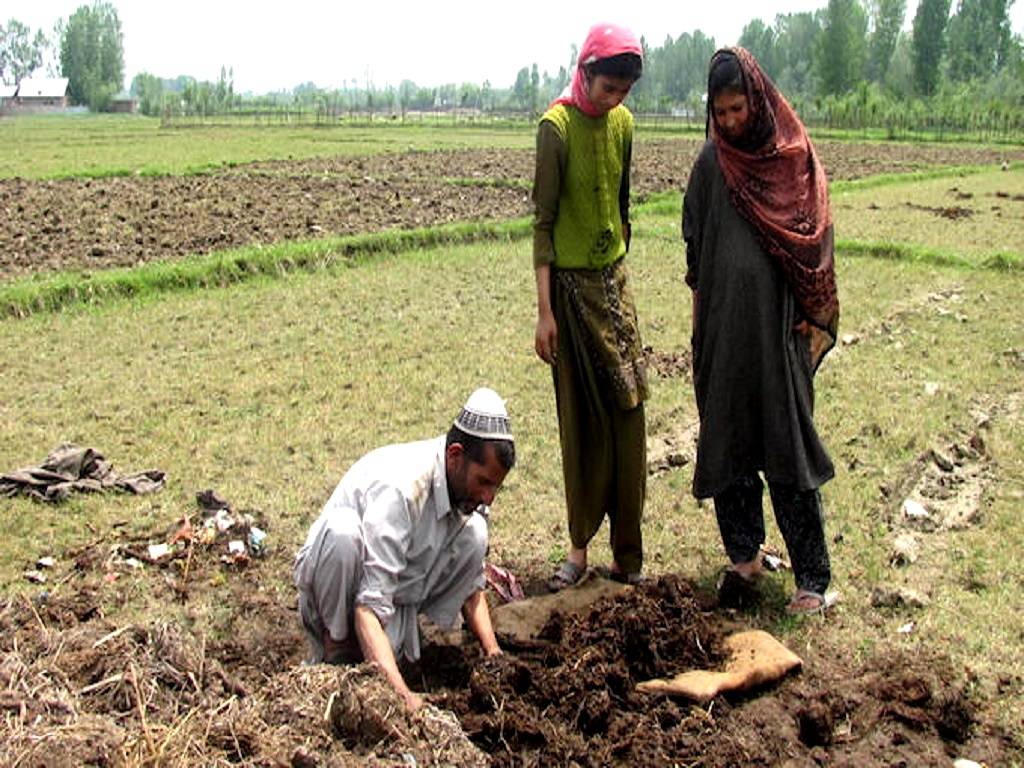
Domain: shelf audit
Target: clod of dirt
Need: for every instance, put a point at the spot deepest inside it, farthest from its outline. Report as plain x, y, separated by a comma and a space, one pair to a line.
494, 676
894, 597
953, 212
366, 710
816, 723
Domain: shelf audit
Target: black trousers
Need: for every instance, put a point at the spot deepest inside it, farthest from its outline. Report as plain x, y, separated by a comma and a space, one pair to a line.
800, 518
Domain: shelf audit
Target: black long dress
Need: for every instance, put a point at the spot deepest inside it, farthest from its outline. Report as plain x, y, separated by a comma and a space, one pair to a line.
752, 371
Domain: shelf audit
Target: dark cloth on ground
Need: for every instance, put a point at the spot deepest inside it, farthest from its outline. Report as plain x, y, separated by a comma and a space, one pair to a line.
600, 385
800, 519
753, 373
70, 468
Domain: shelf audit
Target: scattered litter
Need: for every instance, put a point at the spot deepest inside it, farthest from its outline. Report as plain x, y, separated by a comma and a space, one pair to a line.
46, 562
963, 762
931, 388
849, 339
36, 577
230, 537
245, 538
773, 561
184, 532
222, 520
907, 628
256, 538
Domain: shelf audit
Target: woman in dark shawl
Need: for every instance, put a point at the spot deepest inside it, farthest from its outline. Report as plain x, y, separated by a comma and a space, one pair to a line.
759, 255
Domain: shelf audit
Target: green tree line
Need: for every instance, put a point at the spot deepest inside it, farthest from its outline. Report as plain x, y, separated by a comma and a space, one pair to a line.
849, 60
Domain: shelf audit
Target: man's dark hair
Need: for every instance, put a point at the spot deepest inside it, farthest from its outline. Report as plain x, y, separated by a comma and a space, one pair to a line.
504, 450
628, 66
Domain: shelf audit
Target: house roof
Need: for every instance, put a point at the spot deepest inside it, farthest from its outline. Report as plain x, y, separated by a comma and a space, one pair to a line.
43, 87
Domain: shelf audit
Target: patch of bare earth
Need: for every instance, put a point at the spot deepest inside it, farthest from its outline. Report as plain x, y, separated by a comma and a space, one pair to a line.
93, 224
79, 688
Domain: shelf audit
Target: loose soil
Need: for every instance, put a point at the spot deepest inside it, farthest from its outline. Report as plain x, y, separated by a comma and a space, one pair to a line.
91, 224
79, 687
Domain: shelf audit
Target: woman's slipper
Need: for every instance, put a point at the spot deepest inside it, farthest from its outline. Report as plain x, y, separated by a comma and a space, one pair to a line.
807, 603
567, 575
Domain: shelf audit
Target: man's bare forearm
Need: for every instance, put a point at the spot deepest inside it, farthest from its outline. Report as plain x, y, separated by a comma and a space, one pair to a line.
376, 647
478, 617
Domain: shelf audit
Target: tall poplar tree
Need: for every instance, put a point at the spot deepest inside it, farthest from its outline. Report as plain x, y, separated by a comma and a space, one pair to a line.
842, 46
979, 38
929, 43
887, 19
796, 40
758, 38
92, 54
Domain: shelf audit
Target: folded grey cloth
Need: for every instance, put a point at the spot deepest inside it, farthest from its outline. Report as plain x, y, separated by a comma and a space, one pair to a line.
70, 468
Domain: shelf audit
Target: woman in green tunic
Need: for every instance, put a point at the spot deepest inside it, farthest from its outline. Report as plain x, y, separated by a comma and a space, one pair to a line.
586, 319
759, 253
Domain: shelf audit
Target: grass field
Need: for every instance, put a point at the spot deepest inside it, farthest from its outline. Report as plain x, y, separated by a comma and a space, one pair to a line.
267, 390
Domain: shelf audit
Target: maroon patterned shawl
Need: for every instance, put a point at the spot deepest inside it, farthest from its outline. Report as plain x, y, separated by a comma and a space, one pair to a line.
778, 185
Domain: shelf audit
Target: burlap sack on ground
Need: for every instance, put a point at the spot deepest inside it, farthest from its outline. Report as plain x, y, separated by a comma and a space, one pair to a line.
755, 659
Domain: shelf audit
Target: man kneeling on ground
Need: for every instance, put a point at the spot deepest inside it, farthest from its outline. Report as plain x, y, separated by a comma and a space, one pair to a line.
405, 533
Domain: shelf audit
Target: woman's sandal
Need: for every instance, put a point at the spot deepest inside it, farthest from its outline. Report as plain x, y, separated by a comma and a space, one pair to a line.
807, 603
567, 575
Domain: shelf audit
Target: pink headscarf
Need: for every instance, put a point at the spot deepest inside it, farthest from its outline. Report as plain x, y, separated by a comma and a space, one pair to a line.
603, 41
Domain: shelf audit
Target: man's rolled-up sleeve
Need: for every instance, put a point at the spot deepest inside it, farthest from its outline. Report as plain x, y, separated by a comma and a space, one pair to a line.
386, 532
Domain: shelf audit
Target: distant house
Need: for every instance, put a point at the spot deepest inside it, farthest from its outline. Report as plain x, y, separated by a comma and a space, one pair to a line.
42, 94
123, 102
7, 96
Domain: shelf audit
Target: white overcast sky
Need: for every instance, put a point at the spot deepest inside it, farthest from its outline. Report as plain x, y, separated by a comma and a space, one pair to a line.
276, 46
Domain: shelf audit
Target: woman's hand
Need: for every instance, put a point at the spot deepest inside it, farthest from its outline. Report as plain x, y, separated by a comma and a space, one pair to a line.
546, 339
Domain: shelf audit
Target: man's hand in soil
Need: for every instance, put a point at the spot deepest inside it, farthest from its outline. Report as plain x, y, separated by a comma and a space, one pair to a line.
376, 648
478, 617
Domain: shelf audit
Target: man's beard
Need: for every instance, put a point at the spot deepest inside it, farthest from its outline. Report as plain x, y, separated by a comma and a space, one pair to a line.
461, 501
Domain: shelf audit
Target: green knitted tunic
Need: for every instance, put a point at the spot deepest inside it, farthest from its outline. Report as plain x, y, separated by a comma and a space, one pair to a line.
581, 192
587, 226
